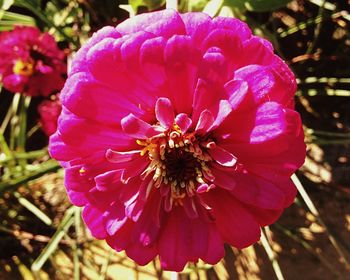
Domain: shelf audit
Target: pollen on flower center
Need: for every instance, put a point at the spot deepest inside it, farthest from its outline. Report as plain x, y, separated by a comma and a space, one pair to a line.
177, 160
23, 68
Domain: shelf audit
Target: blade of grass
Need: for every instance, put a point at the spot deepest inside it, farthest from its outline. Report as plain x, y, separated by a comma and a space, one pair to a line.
33, 208
28, 155
76, 248
6, 120
22, 134
42, 169
321, 14
14, 120
310, 205
67, 221
4, 147
272, 256
17, 17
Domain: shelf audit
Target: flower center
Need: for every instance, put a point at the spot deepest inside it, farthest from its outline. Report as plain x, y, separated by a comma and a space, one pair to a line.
24, 68
177, 160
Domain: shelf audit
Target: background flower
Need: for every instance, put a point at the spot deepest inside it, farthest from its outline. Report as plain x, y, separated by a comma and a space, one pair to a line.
49, 111
177, 134
31, 62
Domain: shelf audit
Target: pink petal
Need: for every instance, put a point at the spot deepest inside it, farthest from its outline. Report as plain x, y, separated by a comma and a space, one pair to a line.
222, 156
163, 23
257, 51
121, 157
257, 191
59, 150
237, 90
141, 254
181, 58
91, 136
130, 49
134, 168
208, 96
199, 239
115, 218
90, 99
222, 110
152, 60
175, 241
265, 217
183, 121
138, 128
215, 251
205, 188
122, 239
147, 228
134, 207
102, 200
205, 121
224, 179
15, 82
214, 67
197, 25
228, 41
239, 27
235, 224
77, 198
109, 180
77, 179
164, 112
79, 64
94, 220
190, 208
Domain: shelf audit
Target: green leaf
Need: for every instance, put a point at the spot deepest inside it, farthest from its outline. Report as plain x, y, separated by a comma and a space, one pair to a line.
194, 5
150, 4
257, 5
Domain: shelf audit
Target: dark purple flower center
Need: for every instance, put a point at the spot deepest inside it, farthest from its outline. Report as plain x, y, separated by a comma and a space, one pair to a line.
177, 160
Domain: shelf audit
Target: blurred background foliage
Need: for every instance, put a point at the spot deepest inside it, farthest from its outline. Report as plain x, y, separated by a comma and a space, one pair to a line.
42, 235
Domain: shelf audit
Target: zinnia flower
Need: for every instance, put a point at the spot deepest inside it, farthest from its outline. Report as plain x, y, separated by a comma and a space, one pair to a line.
31, 62
178, 135
49, 111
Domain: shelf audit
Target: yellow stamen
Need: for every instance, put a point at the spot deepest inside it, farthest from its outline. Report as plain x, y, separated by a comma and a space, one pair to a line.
24, 68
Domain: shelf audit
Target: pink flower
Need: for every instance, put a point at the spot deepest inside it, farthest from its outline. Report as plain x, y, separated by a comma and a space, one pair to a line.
49, 111
178, 134
31, 62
